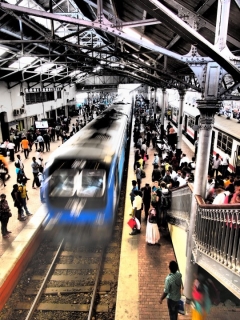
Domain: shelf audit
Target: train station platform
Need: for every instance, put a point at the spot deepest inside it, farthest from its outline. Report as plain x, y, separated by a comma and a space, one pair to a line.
144, 268
16, 250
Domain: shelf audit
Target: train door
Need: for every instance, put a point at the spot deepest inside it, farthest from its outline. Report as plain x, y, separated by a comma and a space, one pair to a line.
185, 123
211, 150
237, 160
196, 127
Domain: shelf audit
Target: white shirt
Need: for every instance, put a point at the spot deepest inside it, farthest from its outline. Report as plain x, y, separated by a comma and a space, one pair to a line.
209, 186
184, 159
137, 202
173, 174
219, 199
10, 146
40, 139
225, 160
182, 182
216, 163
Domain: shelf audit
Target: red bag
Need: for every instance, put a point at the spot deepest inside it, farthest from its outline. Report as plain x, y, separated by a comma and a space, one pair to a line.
132, 223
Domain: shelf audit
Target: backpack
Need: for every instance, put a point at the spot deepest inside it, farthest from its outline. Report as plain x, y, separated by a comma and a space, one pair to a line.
143, 174
154, 196
165, 200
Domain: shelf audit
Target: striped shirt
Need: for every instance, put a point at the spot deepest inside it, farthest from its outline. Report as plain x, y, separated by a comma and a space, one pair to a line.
173, 284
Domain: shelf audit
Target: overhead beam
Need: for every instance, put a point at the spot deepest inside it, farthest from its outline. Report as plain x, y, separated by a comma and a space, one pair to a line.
96, 25
171, 20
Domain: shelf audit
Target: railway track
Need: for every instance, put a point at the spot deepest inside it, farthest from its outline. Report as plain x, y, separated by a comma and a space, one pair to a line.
69, 282
73, 275
81, 283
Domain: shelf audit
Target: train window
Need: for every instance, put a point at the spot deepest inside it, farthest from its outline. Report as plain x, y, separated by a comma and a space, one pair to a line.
92, 183
224, 142
62, 183
191, 122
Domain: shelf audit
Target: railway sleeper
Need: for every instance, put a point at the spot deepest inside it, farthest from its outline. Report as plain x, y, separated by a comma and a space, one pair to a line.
67, 290
62, 307
104, 277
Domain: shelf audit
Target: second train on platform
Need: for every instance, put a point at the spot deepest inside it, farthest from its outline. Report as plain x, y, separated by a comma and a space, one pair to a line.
224, 135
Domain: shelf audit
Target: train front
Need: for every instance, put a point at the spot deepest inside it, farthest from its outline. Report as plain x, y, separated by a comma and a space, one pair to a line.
79, 197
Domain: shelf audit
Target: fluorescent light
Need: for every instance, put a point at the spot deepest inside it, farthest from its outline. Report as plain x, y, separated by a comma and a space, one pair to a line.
97, 68
114, 64
57, 70
135, 34
74, 73
22, 62
45, 67
2, 51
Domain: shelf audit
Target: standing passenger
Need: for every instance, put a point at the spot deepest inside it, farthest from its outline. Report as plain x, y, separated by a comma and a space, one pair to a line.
5, 213
225, 164
35, 170
152, 232
216, 164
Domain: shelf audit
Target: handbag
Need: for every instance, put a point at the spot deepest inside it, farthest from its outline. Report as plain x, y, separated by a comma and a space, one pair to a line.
132, 223
182, 305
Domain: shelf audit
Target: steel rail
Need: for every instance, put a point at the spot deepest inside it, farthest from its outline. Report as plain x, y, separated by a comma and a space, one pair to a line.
90, 312
40, 292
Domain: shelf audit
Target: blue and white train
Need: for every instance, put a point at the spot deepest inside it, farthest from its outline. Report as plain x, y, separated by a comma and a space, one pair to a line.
84, 175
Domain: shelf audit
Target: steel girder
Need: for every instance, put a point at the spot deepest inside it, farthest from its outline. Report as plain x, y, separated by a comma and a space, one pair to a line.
171, 20
97, 25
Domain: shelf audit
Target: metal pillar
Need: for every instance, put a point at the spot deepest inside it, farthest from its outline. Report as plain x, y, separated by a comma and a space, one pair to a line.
222, 24
164, 91
180, 118
208, 109
154, 103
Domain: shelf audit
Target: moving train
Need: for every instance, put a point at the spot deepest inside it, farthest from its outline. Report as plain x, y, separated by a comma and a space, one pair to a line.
84, 175
225, 134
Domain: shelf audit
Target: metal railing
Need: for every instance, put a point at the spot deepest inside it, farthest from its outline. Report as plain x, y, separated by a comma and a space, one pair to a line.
216, 239
217, 233
179, 213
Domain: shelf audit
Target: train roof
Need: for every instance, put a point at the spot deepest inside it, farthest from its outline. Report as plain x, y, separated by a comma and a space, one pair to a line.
100, 137
228, 126
191, 111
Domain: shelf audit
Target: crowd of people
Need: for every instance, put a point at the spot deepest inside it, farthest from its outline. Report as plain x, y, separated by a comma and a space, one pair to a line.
168, 172
171, 171
151, 201
40, 140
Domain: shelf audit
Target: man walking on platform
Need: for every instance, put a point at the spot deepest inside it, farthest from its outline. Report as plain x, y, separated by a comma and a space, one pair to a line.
25, 146
172, 290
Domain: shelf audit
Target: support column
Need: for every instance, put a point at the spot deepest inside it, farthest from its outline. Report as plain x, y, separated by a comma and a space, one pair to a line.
180, 118
207, 110
164, 91
154, 104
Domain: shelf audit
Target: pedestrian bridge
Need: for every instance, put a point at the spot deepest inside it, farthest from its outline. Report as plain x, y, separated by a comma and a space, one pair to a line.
216, 237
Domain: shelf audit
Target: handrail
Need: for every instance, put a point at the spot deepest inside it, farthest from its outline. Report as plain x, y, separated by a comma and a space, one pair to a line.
217, 232
217, 227
202, 204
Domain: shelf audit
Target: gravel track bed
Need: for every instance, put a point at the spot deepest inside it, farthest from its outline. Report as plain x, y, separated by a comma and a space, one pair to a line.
45, 255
